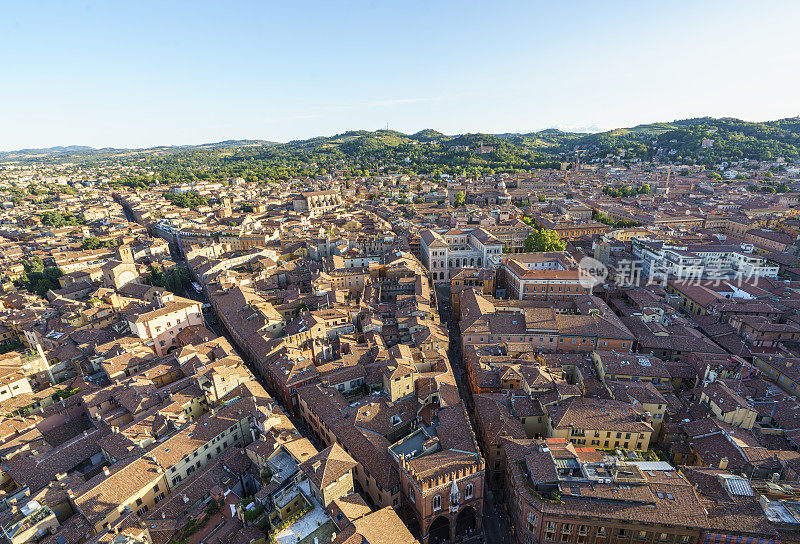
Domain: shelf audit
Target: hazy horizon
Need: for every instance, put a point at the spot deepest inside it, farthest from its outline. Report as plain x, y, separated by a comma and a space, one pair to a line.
578, 130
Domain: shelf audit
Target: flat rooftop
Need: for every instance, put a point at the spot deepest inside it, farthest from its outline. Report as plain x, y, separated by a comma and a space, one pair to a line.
413, 443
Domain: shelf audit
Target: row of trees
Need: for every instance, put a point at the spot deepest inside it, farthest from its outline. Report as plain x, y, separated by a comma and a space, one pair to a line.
605, 219
93, 242
627, 190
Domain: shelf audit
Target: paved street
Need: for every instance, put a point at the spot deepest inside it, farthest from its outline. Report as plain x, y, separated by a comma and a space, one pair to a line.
495, 520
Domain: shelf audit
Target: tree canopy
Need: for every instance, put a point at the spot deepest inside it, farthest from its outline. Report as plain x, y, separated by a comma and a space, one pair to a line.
38, 278
544, 240
627, 190
191, 199
605, 219
58, 219
93, 242
172, 280
700, 141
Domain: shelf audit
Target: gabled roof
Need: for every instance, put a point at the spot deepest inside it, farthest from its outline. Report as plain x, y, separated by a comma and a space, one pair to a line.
328, 466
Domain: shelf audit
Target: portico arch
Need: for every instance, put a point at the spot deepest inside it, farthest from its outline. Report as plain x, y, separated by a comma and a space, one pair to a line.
439, 531
465, 521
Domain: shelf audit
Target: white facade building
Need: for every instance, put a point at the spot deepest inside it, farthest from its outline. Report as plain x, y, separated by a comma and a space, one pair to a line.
455, 249
660, 260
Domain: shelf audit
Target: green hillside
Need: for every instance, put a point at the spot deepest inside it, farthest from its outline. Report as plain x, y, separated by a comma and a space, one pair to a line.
363, 153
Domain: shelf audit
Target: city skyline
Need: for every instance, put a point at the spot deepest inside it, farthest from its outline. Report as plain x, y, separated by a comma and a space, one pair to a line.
323, 273
106, 75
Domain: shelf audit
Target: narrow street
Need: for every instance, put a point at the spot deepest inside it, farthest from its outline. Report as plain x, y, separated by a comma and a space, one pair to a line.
210, 319
495, 529
495, 521
454, 350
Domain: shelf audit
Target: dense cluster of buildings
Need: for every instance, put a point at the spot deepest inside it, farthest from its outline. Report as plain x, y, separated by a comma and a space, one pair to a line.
370, 360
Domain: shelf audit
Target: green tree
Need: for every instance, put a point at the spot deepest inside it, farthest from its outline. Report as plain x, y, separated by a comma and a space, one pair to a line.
530, 243
544, 240
34, 264
190, 200
93, 242
38, 278
460, 199
172, 280
58, 219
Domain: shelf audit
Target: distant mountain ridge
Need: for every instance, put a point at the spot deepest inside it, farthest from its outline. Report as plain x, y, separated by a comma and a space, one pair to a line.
79, 150
702, 139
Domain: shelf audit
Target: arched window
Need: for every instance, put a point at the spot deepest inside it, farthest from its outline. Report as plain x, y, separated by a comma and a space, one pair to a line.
437, 502
468, 491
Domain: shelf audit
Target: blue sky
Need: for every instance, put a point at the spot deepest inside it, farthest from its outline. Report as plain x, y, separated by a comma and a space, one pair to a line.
134, 74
